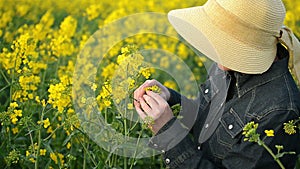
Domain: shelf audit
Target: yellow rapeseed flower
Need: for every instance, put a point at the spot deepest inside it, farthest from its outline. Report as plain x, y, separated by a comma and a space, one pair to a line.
170, 84
18, 113
46, 123
37, 99
289, 127
94, 87
130, 106
14, 118
61, 158
27, 153
153, 88
49, 130
43, 152
269, 133
93, 11
13, 105
146, 72
32, 160
68, 26
54, 157
68, 145
43, 103
15, 130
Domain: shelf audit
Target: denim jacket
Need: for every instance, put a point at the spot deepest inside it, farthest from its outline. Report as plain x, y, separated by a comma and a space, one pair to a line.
269, 99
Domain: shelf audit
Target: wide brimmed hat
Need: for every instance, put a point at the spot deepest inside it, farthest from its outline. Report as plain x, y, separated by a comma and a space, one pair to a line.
241, 35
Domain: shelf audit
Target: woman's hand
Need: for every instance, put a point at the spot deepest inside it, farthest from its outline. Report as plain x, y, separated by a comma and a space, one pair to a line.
154, 105
157, 108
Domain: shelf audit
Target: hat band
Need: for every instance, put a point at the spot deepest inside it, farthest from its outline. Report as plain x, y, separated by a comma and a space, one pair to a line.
243, 31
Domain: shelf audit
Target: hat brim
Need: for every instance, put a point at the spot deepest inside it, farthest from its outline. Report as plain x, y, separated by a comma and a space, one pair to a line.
198, 30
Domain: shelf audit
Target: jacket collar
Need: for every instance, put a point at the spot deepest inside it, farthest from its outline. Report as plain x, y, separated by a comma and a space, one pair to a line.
247, 82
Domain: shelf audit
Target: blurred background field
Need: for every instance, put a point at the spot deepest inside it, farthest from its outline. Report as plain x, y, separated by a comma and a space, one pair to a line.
39, 45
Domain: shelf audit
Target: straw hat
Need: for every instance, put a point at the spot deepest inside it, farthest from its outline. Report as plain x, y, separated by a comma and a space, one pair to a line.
241, 35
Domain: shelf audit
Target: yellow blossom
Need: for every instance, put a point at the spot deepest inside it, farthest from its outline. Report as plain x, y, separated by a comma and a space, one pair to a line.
15, 130
43, 103
153, 88
146, 72
68, 26
27, 153
18, 113
131, 82
107, 103
32, 160
37, 99
68, 145
59, 96
61, 158
43, 152
94, 87
49, 130
269, 133
289, 127
13, 104
124, 50
170, 84
30, 96
70, 111
14, 118
130, 106
46, 123
54, 157
83, 100
35, 146
93, 11
108, 71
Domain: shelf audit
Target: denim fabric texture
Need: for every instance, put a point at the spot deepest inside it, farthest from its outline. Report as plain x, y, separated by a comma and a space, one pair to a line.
269, 99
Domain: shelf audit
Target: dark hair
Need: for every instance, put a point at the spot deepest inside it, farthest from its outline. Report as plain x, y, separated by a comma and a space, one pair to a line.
282, 52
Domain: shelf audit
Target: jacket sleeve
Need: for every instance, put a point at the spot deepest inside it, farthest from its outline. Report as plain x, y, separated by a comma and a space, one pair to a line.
174, 141
175, 97
178, 149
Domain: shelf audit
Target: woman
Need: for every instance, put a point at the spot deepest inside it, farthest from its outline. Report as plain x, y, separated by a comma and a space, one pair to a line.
249, 82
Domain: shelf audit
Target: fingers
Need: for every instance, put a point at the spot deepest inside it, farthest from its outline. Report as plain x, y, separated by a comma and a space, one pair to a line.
140, 91
145, 106
141, 113
155, 97
150, 101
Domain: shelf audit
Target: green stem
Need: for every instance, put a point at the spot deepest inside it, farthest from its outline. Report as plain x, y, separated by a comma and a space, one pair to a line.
39, 140
7, 81
105, 115
30, 136
272, 154
11, 89
5, 87
138, 141
86, 152
125, 123
84, 158
54, 131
